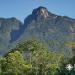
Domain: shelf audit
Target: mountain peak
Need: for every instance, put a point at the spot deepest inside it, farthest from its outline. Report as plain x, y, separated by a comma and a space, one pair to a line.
41, 11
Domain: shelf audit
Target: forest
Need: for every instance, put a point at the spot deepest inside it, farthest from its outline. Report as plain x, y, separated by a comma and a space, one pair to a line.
34, 58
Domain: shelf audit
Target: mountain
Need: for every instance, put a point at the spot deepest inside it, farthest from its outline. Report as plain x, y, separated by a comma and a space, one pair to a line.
10, 30
53, 30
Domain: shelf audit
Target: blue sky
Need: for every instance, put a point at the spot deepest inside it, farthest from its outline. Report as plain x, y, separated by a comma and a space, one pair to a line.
22, 8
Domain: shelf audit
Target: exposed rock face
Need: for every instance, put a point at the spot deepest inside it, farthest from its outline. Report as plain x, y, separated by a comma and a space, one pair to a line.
41, 11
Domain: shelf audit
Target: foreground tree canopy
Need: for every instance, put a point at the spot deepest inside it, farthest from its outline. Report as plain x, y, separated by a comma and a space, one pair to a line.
33, 58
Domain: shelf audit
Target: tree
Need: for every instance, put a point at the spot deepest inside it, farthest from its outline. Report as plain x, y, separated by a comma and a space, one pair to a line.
15, 64
40, 57
47, 62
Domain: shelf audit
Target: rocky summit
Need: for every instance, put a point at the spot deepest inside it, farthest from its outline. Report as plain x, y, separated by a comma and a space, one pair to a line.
41, 11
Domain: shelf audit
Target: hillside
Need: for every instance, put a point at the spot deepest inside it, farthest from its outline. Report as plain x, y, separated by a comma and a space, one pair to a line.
51, 29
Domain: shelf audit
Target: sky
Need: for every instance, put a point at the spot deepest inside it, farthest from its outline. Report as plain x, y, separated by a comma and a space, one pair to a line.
22, 8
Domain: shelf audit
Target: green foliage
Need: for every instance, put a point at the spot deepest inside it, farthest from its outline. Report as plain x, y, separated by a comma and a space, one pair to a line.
40, 60
14, 64
40, 57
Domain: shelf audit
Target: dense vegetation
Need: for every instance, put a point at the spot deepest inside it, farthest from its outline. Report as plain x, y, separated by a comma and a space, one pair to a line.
33, 58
